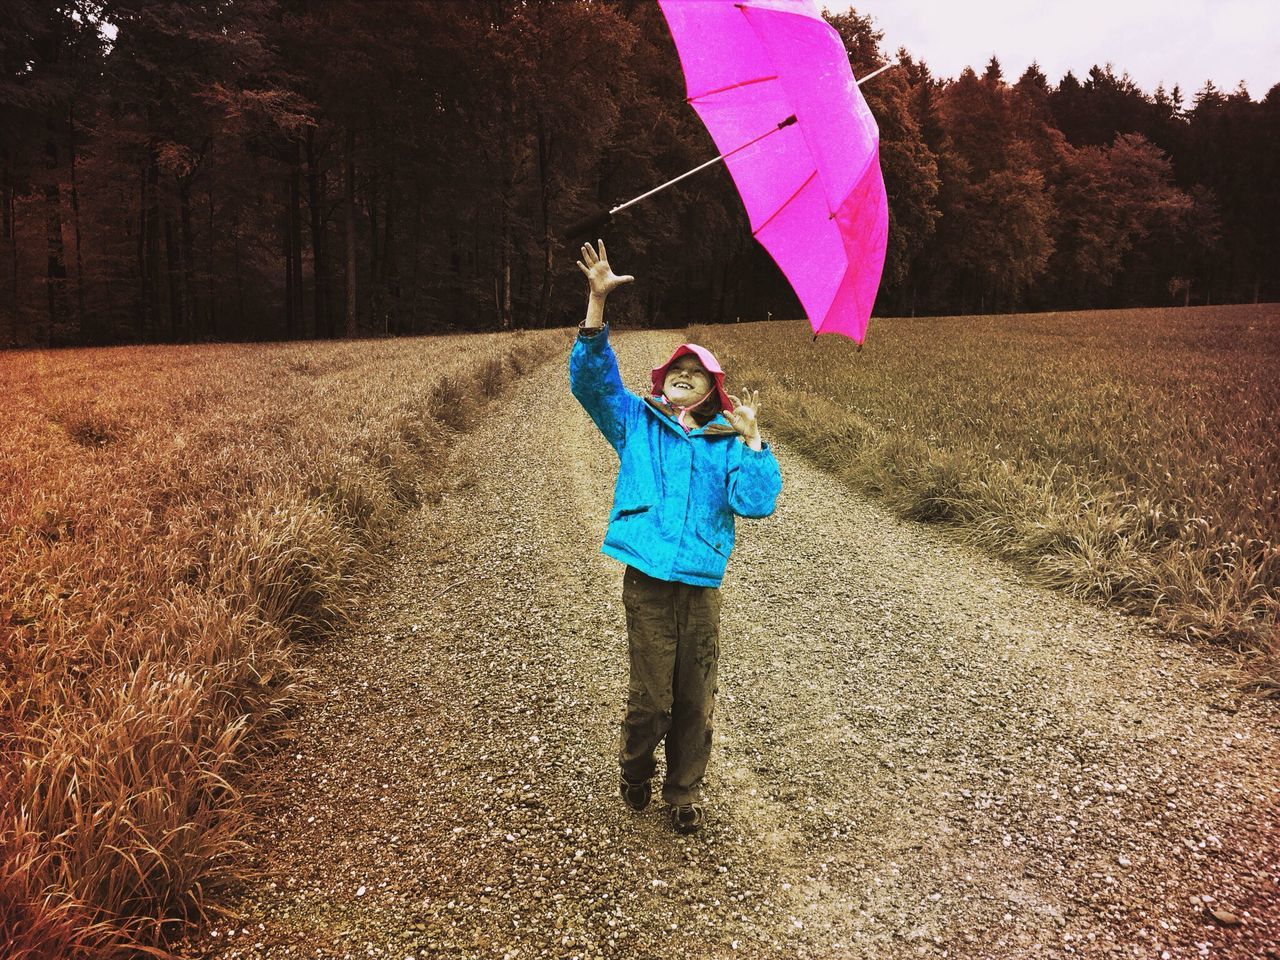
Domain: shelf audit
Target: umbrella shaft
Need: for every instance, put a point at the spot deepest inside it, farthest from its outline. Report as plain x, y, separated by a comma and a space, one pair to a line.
690, 173
876, 73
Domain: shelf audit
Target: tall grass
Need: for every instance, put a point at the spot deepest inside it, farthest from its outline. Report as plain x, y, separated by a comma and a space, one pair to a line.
1132, 457
174, 521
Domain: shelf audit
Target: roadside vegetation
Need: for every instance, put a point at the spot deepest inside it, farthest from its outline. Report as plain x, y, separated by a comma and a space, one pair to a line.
176, 523
1130, 456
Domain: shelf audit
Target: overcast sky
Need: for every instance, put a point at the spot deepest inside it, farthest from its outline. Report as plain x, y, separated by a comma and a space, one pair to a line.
1174, 41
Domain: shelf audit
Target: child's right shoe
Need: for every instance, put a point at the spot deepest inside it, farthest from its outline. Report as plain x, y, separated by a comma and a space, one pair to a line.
687, 817
636, 795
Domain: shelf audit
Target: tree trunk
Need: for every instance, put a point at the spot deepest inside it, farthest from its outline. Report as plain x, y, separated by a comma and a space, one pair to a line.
349, 196
10, 236
476, 315
83, 334
504, 260
548, 246
212, 326
721, 301
190, 307
173, 270
548, 277
56, 266
506, 269
390, 269
235, 261
151, 247
143, 285
319, 265
297, 308
377, 318
416, 325
286, 254
107, 327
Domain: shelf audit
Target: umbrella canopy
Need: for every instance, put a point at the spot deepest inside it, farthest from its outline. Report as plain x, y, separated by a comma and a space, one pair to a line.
812, 188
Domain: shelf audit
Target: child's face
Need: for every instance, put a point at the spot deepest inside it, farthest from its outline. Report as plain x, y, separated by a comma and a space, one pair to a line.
687, 381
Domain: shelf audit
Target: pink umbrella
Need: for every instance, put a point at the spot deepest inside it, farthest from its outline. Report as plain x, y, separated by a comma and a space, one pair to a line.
771, 81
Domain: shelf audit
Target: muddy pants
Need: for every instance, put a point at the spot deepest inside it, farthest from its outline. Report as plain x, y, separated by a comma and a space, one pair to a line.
673, 642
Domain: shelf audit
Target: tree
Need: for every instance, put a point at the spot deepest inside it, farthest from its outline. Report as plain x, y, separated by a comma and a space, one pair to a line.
255, 169
1122, 218
909, 167
994, 239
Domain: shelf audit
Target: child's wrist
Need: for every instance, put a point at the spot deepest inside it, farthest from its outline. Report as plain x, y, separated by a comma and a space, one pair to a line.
595, 311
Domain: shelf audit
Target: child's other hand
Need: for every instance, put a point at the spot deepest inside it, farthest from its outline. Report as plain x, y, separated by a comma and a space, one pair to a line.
603, 280
743, 416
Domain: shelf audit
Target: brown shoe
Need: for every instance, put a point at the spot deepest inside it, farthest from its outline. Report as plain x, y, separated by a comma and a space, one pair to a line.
636, 795
687, 817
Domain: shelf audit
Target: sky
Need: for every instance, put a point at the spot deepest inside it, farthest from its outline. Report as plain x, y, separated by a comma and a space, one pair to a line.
1170, 41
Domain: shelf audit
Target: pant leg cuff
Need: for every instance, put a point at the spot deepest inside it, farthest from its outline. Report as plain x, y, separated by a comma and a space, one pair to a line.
678, 798
636, 773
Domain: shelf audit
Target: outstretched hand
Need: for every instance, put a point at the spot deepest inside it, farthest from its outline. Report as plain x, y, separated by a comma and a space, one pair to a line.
602, 279
743, 416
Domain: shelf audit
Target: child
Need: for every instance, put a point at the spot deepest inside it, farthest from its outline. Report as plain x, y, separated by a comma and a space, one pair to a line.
690, 458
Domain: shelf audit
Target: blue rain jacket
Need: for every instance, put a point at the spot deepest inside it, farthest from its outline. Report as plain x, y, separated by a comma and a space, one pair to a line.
676, 494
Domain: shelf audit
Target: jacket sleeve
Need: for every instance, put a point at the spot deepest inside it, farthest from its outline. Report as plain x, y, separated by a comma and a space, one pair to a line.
594, 380
754, 480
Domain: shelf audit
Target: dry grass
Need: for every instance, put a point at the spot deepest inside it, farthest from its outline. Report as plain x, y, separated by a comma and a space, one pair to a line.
1131, 457
173, 521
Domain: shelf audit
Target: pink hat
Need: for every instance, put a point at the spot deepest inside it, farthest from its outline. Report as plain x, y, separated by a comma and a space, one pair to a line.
706, 359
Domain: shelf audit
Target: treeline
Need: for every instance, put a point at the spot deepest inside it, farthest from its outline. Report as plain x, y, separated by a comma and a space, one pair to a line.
267, 169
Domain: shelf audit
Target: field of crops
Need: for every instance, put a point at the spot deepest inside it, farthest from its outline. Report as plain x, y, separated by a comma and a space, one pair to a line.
176, 523
173, 522
1128, 456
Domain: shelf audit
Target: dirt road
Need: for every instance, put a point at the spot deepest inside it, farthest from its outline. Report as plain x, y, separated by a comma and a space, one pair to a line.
917, 753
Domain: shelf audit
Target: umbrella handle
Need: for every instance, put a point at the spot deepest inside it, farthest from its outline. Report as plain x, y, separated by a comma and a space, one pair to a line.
587, 225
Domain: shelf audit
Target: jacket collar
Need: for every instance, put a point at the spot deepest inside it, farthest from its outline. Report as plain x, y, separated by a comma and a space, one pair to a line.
717, 426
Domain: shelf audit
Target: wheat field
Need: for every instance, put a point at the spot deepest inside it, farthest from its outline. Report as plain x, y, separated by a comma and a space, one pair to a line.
175, 524
1128, 456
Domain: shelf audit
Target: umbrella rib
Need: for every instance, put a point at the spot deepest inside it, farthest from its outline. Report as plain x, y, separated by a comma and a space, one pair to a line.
782, 206
732, 86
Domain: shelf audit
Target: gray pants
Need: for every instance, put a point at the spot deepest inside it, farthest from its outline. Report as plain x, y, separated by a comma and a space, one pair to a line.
673, 643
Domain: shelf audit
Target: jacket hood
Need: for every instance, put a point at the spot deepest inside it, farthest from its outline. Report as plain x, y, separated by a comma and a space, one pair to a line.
707, 359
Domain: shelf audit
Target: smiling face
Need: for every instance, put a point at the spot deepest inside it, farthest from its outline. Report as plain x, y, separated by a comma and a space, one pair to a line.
687, 381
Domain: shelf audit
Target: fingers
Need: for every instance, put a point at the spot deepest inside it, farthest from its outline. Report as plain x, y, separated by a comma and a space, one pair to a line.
734, 400
589, 255
627, 279
600, 246
584, 268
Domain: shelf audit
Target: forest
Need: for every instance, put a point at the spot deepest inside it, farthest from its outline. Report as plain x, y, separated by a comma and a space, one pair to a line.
253, 170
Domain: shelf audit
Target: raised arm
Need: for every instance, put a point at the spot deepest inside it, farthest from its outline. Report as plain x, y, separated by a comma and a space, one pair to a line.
593, 367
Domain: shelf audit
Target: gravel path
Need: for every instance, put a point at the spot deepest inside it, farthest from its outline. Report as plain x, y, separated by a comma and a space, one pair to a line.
917, 753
